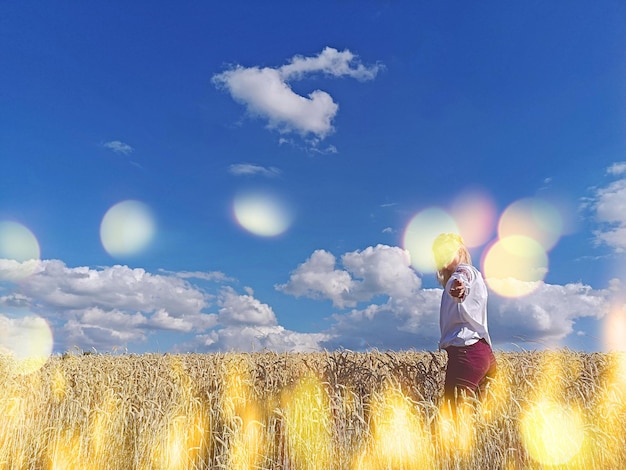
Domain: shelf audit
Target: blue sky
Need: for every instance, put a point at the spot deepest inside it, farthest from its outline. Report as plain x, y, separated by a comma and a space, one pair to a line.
252, 175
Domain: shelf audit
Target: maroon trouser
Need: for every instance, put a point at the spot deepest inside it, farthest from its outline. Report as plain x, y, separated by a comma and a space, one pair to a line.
469, 368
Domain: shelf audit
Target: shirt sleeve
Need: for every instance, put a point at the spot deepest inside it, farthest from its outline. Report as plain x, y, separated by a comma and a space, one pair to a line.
466, 275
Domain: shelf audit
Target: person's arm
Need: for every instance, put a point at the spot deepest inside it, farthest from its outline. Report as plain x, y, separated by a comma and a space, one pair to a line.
462, 280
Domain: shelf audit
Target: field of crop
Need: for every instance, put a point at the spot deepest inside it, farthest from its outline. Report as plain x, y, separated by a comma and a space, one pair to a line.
333, 410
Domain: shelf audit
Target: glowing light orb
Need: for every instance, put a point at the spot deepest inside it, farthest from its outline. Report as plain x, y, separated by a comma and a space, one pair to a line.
552, 433
127, 228
420, 233
615, 328
262, 213
534, 218
28, 340
308, 422
475, 214
399, 438
515, 265
17, 242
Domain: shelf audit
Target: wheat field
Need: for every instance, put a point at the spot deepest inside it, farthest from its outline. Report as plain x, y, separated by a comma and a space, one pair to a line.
328, 410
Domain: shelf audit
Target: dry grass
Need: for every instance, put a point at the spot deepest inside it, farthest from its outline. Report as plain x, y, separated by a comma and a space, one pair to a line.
339, 410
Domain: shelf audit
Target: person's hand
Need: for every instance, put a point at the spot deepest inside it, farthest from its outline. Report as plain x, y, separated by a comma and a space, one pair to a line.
457, 290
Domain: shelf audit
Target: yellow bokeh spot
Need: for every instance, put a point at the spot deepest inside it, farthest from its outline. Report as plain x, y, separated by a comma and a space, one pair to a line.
533, 218
420, 233
308, 423
552, 433
615, 328
242, 415
514, 266
398, 439
27, 341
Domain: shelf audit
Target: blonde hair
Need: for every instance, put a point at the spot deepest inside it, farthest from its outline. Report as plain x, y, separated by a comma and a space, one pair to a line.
446, 247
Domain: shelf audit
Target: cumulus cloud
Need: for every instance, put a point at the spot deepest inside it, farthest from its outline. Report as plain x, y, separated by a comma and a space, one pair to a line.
547, 315
116, 307
390, 310
249, 169
608, 205
119, 147
257, 338
373, 271
378, 301
244, 310
266, 92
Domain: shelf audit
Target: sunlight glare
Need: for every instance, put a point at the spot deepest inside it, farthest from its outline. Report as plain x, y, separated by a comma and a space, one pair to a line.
243, 416
28, 340
534, 218
551, 432
127, 228
475, 214
514, 266
420, 233
19, 251
615, 328
399, 439
308, 423
262, 213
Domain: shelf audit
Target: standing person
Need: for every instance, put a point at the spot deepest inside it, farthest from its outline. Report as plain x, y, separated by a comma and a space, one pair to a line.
462, 319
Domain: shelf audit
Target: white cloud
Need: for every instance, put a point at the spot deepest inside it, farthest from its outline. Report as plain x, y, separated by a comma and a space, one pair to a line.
257, 338
548, 314
119, 147
107, 307
244, 310
379, 302
266, 92
57, 286
608, 205
249, 169
373, 271
407, 316
116, 307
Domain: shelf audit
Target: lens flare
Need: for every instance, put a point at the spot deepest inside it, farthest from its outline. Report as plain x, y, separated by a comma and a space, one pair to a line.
420, 233
17, 242
243, 416
180, 444
308, 423
28, 340
399, 439
475, 214
610, 409
552, 433
534, 218
615, 328
262, 213
65, 450
127, 228
514, 266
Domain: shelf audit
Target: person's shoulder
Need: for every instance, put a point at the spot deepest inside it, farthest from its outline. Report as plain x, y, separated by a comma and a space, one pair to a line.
467, 270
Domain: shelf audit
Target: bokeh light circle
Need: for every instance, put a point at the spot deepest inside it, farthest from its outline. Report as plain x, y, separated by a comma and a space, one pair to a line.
28, 341
475, 214
514, 266
262, 212
534, 218
614, 328
420, 233
127, 228
552, 433
17, 242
